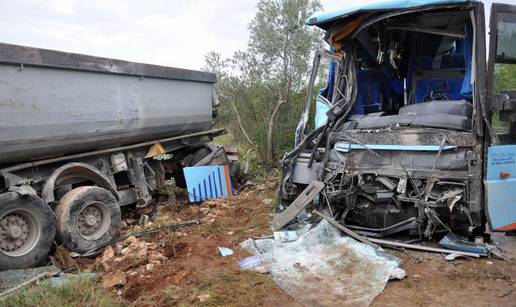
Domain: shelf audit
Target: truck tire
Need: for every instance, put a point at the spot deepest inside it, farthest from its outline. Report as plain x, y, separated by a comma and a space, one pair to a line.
86, 218
27, 231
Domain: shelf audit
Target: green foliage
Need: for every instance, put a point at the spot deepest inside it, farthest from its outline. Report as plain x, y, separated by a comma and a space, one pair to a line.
272, 70
505, 76
77, 292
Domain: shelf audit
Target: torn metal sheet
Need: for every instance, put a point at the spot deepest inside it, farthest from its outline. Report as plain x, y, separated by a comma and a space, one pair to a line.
453, 242
298, 205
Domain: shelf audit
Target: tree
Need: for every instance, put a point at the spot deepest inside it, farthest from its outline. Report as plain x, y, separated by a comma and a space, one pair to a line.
261, 89
281, 42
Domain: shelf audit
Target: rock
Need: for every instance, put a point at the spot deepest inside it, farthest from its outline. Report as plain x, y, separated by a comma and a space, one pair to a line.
195, 209
156, 257
130, 221
130, 240
203, 297
204, 210
267, 201
149, 266
113, 279
151, 245
107, 256
135, 248
211, 203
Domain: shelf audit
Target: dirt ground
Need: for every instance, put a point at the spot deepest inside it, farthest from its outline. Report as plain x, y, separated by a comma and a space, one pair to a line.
190, 270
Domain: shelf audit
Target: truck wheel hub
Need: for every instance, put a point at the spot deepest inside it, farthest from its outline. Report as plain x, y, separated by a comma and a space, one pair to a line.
14, 232
93, 221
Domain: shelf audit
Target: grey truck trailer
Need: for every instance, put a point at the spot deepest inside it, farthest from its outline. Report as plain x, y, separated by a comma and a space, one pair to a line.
81, 136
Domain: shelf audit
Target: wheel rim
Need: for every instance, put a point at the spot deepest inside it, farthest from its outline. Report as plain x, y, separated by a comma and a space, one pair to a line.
20, 231
93, 221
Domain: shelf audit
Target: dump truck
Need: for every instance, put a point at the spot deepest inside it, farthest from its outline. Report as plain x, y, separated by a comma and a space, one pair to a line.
414, 132
82, 136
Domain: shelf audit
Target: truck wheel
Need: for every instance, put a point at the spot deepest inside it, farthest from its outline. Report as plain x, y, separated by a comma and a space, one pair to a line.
27, 231
86, 218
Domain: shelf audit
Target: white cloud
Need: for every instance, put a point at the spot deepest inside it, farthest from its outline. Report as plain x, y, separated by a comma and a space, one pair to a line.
176, 32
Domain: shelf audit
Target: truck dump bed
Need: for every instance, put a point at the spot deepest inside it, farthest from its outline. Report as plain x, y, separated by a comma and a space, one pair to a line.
55, 103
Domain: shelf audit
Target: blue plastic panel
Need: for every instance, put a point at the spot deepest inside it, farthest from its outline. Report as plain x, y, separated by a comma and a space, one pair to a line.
501, 187
206, 182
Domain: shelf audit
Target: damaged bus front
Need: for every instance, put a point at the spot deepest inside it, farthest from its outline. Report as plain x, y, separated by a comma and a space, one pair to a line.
408, 136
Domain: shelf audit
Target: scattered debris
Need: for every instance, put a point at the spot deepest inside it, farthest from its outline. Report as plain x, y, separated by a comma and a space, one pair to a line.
453, 242
398, 273
348, 231
453, 256
422, 247
251, 262
262, 269
285, 236
207, 182
224, 251
324, 268
267, 201
144, 218
136, 235
156, 258
298, 204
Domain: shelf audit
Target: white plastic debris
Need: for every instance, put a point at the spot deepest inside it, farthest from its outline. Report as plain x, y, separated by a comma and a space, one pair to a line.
398, 273
224, 251
285, 236
251, 262
453, 256
324, 268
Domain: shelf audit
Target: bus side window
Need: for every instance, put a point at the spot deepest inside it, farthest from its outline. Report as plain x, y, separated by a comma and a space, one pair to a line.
503, 48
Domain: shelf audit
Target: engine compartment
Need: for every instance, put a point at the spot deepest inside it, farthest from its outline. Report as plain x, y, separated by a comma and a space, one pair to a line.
394, 140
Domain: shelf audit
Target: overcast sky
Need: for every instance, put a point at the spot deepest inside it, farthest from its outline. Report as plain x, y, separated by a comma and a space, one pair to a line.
174, 33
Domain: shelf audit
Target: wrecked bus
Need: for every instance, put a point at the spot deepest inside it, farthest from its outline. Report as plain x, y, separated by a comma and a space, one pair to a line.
414, 132
82, 136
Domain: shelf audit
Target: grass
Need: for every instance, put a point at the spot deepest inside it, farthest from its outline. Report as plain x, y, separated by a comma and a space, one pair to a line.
79, 291
233, 287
